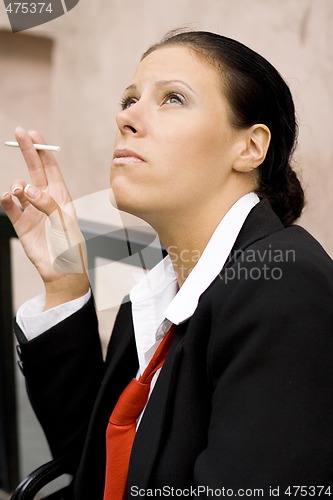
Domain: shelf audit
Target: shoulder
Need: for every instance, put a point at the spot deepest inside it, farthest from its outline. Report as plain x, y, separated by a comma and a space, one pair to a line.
285, 261
279, 285
272, 303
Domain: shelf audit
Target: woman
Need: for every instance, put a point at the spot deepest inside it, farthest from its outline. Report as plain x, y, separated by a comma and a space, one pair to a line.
244, 399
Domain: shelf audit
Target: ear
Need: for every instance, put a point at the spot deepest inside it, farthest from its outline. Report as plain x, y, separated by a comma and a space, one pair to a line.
254, 148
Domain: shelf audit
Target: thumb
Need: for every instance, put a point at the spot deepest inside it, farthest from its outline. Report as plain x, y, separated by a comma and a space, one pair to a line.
63, 236
44, 202
40, 199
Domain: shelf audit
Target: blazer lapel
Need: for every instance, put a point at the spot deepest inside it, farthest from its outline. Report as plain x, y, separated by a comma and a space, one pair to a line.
121, 356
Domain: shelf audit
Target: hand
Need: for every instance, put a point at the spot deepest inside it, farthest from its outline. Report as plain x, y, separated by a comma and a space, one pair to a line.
47, 225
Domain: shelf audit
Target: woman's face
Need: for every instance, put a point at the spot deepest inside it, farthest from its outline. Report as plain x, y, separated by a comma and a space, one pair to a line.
175, 147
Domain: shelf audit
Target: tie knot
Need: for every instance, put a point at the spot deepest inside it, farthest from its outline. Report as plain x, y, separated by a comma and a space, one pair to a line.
131, 403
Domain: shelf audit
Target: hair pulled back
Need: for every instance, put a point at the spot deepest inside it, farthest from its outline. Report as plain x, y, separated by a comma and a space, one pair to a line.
256, 93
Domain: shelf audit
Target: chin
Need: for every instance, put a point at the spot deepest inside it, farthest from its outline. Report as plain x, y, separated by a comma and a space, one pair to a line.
120, 201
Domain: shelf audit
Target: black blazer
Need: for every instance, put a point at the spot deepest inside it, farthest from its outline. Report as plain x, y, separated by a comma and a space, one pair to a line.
245, 397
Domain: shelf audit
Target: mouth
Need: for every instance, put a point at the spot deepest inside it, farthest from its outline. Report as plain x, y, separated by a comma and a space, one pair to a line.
125, 156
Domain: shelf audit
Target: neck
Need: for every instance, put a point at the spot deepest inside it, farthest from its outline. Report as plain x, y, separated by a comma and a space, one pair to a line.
186, 238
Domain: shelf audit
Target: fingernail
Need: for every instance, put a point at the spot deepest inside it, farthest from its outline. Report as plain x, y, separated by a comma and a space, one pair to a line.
17, 188
5, 194
31, 191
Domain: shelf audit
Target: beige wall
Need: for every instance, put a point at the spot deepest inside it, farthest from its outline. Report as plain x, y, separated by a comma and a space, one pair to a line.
70, 86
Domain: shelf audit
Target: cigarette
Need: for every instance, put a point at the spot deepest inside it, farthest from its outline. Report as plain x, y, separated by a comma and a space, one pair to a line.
40, 147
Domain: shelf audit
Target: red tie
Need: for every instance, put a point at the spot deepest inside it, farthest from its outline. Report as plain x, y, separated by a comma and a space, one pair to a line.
122, 424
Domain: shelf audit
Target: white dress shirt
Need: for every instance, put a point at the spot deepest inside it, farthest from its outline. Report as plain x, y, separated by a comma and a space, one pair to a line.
157, 301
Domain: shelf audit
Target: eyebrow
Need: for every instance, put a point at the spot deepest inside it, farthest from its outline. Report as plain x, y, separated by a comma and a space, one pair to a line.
160, 84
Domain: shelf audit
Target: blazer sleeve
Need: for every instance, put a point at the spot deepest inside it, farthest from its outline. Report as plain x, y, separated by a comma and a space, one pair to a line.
271, 372
63, 368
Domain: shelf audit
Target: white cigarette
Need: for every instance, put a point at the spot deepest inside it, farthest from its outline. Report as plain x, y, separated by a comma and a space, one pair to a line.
41, 147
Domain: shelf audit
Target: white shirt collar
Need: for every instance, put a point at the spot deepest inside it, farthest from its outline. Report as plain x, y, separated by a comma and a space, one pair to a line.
157, 297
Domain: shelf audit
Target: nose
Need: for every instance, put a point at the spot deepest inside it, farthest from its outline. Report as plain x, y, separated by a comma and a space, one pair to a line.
128, 122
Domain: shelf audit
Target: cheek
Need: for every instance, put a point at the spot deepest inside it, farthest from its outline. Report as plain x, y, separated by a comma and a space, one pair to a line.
202, 163
200, 135
193, 151
181, 146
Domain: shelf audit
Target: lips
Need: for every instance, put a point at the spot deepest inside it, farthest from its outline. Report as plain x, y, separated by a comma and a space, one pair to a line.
122, 156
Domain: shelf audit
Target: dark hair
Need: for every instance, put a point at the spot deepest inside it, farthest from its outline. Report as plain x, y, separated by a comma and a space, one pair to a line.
256, 93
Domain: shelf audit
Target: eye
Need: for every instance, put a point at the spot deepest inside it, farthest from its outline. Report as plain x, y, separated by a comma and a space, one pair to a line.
174, 98
127, 102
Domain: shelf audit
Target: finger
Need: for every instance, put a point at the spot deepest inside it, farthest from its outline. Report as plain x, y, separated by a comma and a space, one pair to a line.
51, 167
32, 158
12, 210
17, 190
